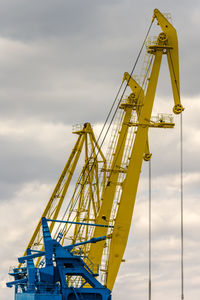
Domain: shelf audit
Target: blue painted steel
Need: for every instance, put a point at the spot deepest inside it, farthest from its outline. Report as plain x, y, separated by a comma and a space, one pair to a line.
50, 281
81, 223
38, 254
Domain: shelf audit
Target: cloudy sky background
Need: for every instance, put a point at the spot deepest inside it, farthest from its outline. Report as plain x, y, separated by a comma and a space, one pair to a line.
61, 63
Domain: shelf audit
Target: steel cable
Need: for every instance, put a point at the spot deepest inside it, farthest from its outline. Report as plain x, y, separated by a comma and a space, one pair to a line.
149, 292
181, 185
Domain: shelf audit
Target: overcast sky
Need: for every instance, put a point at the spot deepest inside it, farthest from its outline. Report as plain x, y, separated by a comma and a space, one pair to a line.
61, 63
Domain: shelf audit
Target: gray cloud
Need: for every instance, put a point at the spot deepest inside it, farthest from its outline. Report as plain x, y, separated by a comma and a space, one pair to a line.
60, 56
61, 63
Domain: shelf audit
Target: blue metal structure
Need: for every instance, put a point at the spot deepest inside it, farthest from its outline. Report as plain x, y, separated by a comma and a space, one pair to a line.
52, 279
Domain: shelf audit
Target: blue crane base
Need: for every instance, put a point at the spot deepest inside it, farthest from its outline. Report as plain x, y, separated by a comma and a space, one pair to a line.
64, 274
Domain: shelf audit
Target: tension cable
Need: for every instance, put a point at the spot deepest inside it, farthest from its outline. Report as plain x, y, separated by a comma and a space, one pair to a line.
181, 186
149, 292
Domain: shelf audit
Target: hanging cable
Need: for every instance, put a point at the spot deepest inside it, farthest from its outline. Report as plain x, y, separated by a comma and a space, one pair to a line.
149, 230
181, 185
182, 229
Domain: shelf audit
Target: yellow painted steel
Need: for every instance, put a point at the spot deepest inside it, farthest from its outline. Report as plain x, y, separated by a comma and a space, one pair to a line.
86, 200
131, 83
135, 99
166, 43
169, 37
129, 188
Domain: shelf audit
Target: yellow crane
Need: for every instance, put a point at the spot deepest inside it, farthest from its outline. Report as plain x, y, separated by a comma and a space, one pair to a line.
106, 188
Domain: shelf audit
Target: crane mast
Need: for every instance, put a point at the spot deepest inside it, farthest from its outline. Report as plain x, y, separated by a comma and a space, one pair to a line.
97, 221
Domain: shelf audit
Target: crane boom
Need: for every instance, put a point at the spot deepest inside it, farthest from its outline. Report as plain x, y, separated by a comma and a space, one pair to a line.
129, 188
96, 250
169, 37
166, 43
